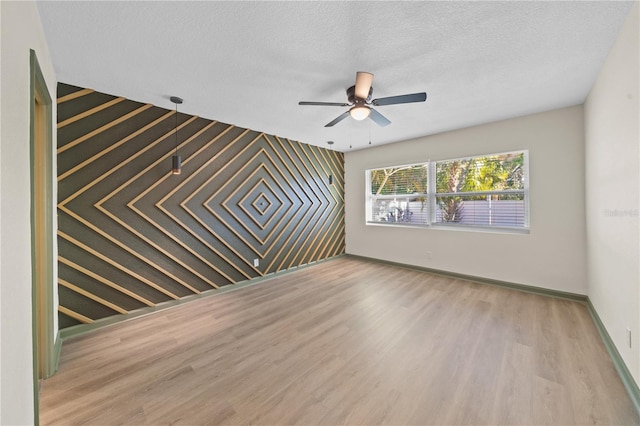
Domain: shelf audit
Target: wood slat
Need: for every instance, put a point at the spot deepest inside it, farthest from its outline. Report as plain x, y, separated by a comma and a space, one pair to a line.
89, 112
91, 296
74, 95
104, 281
102, 129
113, 146
74, 315
117, 265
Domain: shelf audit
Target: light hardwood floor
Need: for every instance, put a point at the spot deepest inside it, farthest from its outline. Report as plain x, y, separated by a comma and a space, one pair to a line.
345, 342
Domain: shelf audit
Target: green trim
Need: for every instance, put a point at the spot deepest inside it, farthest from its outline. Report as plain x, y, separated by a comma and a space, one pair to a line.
33, 64
82, 329
39, 93
625, 375
521, 287
57, 349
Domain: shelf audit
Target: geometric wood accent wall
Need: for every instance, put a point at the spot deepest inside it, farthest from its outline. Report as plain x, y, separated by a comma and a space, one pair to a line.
131, 234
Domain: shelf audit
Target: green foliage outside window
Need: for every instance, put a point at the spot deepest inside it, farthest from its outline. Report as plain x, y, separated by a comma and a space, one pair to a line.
399, 180
489, 173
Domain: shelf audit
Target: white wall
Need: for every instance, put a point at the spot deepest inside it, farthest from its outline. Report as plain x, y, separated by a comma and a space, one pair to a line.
551, 256
21, 31
613, 202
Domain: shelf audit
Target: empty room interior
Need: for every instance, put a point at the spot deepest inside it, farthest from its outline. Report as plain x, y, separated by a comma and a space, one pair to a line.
319, 212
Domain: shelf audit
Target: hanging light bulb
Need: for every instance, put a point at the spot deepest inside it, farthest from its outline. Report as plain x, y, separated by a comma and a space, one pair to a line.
176, 161
359, 112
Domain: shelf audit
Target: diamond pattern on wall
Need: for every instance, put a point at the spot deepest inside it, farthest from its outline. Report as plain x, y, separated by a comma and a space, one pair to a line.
132, 235
261, 204
260, 211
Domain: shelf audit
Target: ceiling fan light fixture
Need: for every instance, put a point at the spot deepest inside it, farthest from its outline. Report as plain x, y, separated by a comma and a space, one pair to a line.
359, 112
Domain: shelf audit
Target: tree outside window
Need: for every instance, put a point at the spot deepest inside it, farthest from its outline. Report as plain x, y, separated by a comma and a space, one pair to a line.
489, 190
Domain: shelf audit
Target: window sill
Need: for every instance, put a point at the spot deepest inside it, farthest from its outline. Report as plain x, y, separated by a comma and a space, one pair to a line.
456, 228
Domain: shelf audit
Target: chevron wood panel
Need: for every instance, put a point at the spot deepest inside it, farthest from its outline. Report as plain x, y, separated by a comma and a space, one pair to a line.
133, 235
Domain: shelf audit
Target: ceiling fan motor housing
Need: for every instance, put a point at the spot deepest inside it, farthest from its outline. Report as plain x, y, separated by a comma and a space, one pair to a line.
351, 96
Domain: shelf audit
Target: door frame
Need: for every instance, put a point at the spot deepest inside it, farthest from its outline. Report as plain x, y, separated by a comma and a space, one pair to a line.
42, 232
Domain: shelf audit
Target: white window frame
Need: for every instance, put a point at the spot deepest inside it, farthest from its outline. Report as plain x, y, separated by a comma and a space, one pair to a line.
432, 197
370, 198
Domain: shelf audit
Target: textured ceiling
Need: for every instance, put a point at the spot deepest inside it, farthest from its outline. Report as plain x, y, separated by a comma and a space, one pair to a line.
249, 63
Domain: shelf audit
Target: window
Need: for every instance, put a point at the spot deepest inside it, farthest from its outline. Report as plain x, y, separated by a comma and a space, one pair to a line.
483, 191
399, 194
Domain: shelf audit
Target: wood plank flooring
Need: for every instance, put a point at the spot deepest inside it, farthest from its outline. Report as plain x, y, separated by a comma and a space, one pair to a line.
345, 342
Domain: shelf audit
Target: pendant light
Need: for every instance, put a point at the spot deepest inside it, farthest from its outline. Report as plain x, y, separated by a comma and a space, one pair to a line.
330, 176
176, 160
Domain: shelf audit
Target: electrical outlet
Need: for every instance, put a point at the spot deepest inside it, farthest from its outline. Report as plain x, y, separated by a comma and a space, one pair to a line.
629, 337
429, 255
256, 262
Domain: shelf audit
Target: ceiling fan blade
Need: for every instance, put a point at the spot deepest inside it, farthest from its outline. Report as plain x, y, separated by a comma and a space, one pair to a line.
402, 99
363, 84
378, 118
323, 103
338, 119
